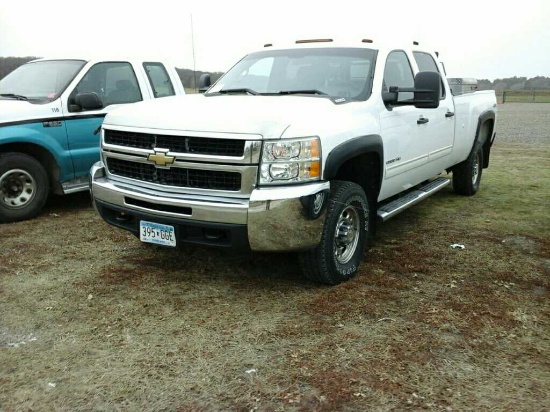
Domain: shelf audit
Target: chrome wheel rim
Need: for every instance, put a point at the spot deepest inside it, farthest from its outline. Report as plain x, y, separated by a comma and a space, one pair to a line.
346, 236
17, 189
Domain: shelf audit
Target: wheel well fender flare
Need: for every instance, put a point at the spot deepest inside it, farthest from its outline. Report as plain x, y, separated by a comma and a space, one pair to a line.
483, 118
486, 140
352, 148
42, 155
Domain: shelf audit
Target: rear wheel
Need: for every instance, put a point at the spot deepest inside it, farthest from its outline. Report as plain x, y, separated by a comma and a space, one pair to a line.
337, 257
467, 175
24, 187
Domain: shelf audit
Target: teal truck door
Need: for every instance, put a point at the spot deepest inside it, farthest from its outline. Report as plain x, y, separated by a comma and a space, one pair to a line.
114, 83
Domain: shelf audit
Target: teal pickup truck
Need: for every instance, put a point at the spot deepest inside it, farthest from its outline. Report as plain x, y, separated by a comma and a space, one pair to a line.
51, 112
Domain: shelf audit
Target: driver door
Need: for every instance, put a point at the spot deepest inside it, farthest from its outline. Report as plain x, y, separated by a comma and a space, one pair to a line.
403, 130
114, 83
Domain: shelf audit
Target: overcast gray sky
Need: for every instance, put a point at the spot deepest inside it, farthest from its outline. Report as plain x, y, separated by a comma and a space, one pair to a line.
481, 39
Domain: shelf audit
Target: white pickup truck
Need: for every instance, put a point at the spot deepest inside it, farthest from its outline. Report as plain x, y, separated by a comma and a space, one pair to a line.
50, 116
300, 148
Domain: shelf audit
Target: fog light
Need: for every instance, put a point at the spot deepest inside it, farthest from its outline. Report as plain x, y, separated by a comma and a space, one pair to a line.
315, 204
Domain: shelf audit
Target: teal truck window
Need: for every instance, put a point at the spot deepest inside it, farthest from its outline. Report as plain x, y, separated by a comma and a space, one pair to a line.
41, 80
113, 82
159, 79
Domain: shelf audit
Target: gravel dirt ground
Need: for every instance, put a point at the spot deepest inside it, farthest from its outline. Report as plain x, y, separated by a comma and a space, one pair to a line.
524, 123
94, 320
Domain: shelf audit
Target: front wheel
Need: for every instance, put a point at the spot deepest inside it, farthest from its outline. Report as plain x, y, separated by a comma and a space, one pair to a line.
467, 175
24, 187
337, 257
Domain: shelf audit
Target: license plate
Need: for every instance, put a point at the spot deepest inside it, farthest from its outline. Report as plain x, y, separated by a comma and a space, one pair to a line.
150, 232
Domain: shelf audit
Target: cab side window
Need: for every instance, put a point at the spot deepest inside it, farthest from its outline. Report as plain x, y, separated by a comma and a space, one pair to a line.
113, 82
159, 79
398, 72
121, 84
426, 63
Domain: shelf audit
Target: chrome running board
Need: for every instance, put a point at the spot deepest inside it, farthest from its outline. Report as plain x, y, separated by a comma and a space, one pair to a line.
388, 210
75, 185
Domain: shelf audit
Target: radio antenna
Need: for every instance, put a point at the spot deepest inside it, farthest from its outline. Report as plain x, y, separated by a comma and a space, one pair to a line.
193, 48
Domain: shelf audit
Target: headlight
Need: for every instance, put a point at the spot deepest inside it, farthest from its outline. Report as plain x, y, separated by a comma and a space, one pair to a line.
290, 161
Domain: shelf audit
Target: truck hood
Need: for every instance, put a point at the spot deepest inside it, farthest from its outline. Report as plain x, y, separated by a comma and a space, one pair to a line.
12, 110
271, 117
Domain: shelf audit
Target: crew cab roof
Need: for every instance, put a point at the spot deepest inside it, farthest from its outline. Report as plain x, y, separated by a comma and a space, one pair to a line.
357, 42
108, 58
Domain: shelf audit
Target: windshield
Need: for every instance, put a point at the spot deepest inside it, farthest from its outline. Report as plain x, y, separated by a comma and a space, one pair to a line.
334, 72
41, 80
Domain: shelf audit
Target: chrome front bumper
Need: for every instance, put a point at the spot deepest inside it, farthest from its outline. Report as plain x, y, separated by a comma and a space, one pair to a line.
276, 219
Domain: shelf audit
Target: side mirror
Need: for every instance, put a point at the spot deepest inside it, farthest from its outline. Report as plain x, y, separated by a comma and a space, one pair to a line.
204, 82
88, 101
390, 97
427, 89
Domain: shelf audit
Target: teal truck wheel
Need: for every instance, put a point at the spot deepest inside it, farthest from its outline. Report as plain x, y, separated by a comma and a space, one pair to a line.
24, 187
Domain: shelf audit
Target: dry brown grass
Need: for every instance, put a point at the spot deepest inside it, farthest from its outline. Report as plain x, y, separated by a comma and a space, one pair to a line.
94, 320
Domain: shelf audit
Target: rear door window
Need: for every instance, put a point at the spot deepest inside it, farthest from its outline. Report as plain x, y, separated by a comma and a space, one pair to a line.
426, 63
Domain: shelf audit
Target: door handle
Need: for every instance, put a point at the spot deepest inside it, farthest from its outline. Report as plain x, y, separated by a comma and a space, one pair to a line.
422, 120
449, 114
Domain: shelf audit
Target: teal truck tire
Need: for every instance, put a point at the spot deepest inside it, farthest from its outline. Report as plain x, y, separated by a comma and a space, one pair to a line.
24, 187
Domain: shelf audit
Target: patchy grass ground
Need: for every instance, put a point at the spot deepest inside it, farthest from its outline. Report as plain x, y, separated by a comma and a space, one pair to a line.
94, 320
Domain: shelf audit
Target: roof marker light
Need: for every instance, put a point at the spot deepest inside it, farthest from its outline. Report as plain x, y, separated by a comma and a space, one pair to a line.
314, 41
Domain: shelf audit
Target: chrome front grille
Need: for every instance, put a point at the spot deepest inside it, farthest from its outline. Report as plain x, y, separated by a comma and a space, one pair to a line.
179, 144
176, 176
194, 163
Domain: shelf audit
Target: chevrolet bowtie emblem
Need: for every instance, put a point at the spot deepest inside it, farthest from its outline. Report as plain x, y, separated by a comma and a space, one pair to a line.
160, 158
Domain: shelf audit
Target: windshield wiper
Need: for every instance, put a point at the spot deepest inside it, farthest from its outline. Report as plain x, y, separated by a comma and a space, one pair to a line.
238, 91
282, 92
305, 91
15, 96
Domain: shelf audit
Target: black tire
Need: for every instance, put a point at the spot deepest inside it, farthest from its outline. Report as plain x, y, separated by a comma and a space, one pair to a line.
467, 175
24, 187
337, 257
